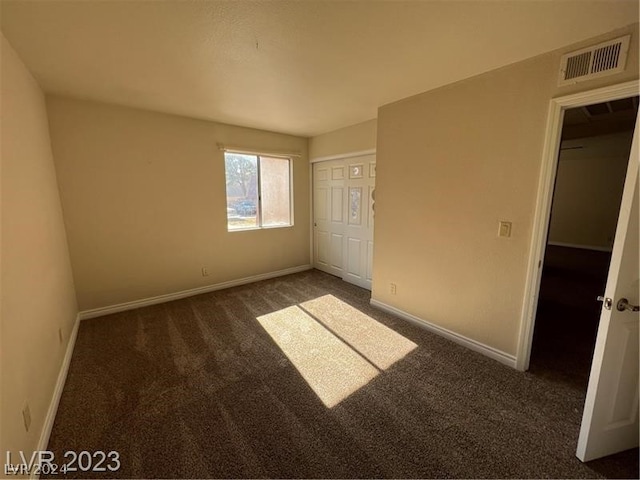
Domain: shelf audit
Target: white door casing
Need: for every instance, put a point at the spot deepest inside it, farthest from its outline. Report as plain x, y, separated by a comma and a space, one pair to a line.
610, 418
543, 202
343, 192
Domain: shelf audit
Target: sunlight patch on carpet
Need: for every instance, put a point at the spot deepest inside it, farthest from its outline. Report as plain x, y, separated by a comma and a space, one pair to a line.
336, 348
378, 343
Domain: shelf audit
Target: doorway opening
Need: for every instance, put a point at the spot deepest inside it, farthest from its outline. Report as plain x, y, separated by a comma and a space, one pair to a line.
591, 170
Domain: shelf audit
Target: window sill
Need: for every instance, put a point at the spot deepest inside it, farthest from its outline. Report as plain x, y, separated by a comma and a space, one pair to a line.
270, 227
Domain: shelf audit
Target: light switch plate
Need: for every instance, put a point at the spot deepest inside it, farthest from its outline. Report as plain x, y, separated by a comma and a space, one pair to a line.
504, 229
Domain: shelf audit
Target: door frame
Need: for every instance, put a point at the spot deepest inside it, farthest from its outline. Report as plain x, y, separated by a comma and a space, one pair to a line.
555, 120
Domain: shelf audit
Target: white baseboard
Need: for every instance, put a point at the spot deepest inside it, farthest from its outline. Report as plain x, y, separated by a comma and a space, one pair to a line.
471, 344
57, 391
583, 247
144, 302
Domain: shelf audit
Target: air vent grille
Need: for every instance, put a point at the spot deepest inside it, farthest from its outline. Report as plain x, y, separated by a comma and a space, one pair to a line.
578, 65
597, 61
606, 58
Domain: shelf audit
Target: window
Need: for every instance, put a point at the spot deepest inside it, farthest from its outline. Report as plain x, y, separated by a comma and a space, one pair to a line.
258, 191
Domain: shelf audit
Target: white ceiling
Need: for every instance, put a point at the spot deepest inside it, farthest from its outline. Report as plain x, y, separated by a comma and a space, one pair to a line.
299, 67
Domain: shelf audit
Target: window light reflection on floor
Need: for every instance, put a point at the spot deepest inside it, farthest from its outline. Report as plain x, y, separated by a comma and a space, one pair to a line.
378, 343
336, 348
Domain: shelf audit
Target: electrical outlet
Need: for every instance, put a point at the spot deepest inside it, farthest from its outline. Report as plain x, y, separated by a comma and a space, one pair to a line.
26, 416
393, 288
60, 336
205, 273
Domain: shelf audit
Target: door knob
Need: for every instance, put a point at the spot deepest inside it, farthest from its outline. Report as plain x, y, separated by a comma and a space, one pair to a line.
607, 301
623, 304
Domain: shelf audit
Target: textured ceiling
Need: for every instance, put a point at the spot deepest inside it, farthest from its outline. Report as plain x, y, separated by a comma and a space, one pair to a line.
300, 67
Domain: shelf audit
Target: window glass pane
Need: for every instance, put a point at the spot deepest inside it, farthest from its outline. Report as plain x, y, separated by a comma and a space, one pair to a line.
242, 190
275, 190
355, 205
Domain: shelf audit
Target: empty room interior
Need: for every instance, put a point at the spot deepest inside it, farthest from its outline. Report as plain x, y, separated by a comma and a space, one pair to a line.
319, 239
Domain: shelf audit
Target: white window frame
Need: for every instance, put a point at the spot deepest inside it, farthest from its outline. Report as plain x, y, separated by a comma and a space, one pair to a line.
259, 188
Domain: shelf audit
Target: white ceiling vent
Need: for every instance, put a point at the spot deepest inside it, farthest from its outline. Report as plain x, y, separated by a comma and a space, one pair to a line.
592, 62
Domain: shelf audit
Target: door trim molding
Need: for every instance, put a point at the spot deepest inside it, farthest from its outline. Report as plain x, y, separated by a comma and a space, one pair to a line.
340, 156
467, 342
542, 214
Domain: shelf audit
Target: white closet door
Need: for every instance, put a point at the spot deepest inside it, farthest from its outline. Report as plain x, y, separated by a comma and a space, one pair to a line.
343, 218
328, 216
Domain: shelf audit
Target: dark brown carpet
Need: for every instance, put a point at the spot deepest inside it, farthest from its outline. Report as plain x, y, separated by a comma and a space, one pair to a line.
198, 388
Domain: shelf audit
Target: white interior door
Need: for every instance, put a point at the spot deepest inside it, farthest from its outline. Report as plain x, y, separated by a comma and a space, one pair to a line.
343, 218
610, 419
359, 226
329, 216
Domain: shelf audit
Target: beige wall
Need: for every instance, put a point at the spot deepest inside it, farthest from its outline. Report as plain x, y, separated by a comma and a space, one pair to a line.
144, 201
354, 138
452, 163
37, 295
588, 190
